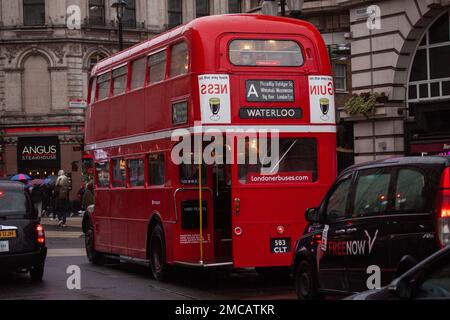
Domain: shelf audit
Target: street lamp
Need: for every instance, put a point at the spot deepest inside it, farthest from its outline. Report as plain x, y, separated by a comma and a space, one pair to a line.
120, 6
295, 7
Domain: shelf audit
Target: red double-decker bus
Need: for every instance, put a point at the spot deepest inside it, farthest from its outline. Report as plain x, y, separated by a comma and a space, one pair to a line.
262, 87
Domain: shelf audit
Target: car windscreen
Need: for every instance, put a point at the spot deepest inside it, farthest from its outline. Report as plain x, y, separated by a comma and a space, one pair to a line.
14, 203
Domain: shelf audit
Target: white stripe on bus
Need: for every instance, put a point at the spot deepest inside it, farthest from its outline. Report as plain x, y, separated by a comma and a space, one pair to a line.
197, 129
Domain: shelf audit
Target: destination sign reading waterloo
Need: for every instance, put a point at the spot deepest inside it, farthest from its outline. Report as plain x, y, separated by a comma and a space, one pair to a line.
269, 90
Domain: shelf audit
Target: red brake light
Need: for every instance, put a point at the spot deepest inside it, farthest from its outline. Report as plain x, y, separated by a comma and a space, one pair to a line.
443, 209
40, 234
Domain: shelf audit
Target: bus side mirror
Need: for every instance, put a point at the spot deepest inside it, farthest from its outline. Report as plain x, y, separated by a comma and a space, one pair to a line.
312, 215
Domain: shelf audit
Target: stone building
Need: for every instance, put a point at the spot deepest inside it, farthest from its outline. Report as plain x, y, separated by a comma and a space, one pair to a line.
47, 48
400, 48
45, 61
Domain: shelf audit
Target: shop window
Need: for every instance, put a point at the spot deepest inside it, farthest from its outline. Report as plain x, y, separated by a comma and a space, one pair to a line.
157, 66
179, 59
138, 68
419, 70
119, 173
136, 172
156, 169
439, 66
440, 31
102, 172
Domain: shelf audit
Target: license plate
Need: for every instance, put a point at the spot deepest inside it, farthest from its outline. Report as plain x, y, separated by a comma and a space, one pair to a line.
4, 246
280, 245
8, 234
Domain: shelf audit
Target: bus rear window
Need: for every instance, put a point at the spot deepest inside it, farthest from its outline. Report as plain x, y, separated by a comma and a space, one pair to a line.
296, 161
283, 53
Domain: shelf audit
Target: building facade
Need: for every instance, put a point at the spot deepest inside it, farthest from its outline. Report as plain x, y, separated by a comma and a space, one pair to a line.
47, 48
399, 47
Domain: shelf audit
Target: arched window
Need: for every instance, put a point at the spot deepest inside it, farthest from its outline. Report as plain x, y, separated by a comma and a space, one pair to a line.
94, 59
36, 85
430, 72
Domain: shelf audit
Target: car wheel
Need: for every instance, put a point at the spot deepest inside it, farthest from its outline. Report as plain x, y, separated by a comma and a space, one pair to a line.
157, 254
93, 255
305, 284
37, 273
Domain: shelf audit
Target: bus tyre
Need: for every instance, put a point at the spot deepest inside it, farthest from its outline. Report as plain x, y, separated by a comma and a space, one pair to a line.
157, 254
37, 273
305, 283
93, 255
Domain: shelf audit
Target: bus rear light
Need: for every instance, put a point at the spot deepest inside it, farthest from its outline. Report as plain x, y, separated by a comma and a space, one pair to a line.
40, 234
238, 231
237, 206
280, 230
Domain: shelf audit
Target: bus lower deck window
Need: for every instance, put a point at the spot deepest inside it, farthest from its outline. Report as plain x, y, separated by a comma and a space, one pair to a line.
102, 171
119, 173
296, 161
156, 170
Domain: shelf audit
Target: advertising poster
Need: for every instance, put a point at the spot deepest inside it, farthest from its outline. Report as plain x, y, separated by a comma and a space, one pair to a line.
215, 98
321, 99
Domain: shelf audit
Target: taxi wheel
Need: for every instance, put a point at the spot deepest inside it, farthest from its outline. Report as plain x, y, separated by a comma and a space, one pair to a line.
93, 255
305, 284
157, 254
37, 273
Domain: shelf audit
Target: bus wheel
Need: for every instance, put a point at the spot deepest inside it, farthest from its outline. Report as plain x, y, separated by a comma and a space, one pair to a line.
305, 284
93, 255
157, 254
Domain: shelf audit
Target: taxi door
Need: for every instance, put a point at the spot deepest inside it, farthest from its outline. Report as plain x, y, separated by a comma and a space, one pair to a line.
331, 258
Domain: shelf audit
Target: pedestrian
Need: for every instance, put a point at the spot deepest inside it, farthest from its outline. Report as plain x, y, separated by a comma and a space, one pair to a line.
88, 196
45, 199
36, 197
62, 197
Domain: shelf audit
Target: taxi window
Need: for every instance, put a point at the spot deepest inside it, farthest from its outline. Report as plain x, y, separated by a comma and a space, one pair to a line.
13, 202
372, 188
250, 52
410, 191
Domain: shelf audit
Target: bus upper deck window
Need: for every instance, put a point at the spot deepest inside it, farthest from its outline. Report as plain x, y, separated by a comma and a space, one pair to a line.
179, 59
157, 66
283, 53
120, 80
93, 87
104, 85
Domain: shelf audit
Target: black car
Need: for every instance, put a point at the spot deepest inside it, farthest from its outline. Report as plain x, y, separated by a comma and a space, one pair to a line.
22, 238
430, 279
373, 215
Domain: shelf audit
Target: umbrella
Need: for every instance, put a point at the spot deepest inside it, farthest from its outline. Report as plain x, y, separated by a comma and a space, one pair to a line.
37, 182
50, 179
20, 177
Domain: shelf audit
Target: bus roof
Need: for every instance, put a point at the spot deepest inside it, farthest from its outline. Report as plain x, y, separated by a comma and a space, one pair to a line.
210, 27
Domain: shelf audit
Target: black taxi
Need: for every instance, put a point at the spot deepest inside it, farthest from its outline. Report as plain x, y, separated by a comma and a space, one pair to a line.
372, 216
22, 238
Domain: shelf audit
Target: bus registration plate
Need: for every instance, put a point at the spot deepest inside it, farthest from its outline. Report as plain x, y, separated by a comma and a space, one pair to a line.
280, 245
